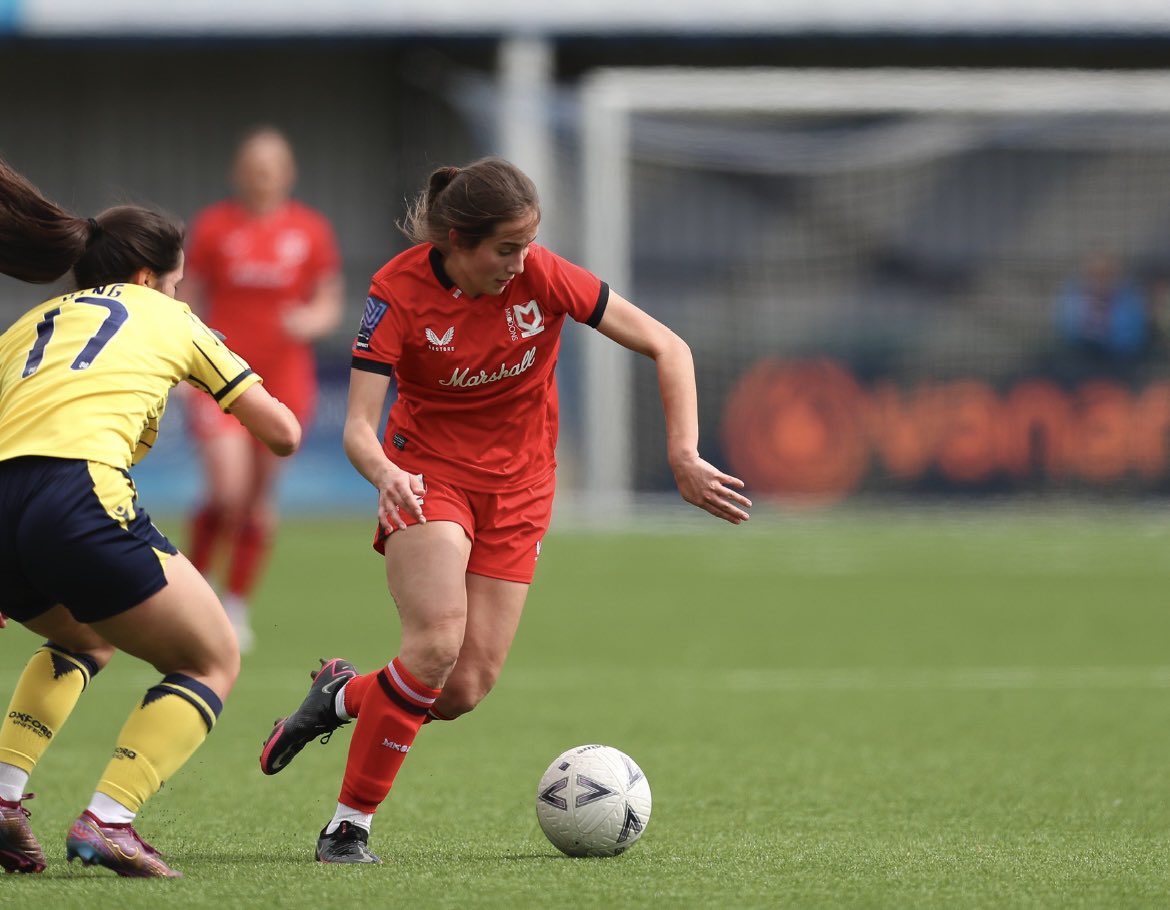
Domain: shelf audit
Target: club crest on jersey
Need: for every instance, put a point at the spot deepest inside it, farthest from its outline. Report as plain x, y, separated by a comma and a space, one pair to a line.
371, 316
529, 318
441, 342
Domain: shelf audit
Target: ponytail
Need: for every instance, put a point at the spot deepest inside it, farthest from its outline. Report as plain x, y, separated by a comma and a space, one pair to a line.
40, 241
439, 181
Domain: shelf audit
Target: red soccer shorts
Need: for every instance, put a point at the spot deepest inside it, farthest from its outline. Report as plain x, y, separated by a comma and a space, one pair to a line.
505, 529
295, 388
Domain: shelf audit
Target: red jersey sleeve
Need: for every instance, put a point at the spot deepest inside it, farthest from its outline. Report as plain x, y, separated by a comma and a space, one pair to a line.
577, 291
378, 344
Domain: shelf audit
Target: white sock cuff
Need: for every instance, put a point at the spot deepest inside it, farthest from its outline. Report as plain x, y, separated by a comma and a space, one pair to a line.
339, 704
110, 810
13, 780
353, 816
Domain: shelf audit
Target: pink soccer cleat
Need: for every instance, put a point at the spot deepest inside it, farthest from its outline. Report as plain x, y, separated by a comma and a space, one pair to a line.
116, 846
19, 850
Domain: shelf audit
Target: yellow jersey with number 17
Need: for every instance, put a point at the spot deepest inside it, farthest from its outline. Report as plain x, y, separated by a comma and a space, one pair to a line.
87, 375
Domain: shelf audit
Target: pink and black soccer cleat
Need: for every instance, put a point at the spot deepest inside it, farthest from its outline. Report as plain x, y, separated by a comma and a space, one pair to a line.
19, 850
314, 718
116, 846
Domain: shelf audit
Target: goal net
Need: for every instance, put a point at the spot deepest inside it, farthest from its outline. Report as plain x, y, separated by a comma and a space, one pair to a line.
892, 280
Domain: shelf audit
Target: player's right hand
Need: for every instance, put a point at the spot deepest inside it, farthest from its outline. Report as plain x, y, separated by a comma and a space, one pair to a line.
400, 492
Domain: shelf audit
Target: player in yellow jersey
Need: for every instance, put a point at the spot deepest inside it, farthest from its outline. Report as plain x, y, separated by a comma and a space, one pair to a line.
84, 379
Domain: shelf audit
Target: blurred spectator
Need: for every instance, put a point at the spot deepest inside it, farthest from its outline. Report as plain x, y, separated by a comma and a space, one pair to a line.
264, 270
1103, 313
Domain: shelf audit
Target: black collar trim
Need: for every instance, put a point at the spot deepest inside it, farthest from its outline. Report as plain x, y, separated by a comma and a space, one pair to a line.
444, 279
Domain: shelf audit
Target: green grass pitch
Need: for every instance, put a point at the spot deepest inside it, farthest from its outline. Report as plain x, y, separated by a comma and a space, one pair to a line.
844, 710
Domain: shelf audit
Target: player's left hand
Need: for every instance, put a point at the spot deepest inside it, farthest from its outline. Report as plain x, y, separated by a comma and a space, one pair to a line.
703, 485
3, 620
301, 322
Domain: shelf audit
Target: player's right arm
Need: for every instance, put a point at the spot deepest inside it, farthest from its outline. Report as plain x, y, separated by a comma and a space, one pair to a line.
224, 375
268, 419
397, 489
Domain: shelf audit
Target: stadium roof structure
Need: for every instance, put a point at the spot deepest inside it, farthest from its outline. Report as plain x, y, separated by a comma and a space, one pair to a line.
229, 18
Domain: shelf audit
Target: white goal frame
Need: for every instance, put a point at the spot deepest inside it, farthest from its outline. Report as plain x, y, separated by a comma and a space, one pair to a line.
611, 97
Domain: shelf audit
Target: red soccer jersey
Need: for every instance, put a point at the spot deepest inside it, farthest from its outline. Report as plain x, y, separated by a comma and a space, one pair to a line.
477, 401
254, 268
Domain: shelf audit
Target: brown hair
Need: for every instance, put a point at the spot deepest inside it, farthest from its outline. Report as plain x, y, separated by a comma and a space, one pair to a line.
40, 241
471, 201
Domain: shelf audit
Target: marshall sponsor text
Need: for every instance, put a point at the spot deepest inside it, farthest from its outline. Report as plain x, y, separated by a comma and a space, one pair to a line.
465, 379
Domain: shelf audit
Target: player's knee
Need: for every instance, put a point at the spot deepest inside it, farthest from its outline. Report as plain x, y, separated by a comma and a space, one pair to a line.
459, 703
101, 654
217, 667
232, 509
226, 666
461, 696
431, 654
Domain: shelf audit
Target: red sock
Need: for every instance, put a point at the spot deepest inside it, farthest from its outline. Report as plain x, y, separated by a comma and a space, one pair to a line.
248, 557
392, 712
432, 714
204, 537
355, 692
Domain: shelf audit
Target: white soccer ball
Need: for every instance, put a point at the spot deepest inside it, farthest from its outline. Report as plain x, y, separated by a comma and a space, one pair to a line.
593, 801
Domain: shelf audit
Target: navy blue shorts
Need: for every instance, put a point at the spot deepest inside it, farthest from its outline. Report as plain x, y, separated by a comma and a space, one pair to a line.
72, 533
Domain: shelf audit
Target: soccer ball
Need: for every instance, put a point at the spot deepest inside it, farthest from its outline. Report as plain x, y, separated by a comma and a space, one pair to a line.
593, 801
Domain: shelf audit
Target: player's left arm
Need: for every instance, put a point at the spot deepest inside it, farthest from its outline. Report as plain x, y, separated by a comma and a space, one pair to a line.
320, 315
699, 482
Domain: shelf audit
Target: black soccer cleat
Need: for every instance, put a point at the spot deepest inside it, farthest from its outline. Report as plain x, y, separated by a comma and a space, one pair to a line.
348, 844
315, 717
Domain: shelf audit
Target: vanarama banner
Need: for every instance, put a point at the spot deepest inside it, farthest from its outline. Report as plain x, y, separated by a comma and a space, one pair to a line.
811, 428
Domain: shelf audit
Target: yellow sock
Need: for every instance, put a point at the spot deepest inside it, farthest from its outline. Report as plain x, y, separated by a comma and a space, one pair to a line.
45, 696
158, 738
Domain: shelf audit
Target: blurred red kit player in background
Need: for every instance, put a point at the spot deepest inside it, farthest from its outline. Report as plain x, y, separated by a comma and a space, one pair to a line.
263, 269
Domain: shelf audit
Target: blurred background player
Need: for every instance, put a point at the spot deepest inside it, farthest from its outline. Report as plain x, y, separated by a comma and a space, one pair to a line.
263, 269
84, 379
469, 322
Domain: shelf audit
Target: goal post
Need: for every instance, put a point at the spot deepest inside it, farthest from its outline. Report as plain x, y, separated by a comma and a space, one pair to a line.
614, 101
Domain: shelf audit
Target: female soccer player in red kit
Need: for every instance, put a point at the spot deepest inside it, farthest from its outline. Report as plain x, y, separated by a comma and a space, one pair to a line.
262, 269
468, 321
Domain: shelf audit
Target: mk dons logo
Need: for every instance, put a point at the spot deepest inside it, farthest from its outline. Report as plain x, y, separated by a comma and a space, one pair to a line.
529, 319
441, 343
